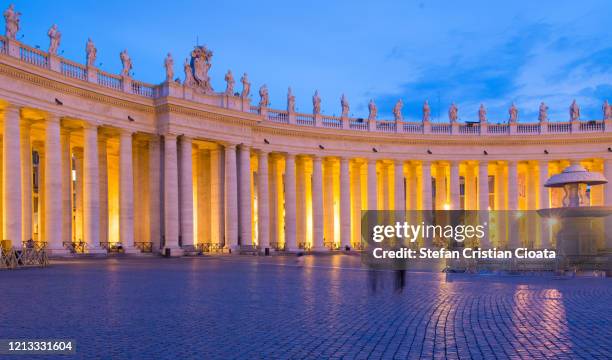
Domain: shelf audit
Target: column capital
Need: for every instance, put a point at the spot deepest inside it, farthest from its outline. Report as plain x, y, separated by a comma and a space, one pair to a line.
370, 161
262, 152
244, 146
290, 155
230, 146
170, 136
12, 108
344, 159
186, 138
89, 125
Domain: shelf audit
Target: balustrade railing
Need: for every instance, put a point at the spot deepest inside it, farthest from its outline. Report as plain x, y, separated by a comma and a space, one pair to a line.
559, 127
304, 119
358, 125
528, 128
73, 70
109, 80
592, 126
498, 129
473, 129
386, 126
33, 56
143, 89
331, 122
440, 128
278, 116
413, 128
3, 45
254, 109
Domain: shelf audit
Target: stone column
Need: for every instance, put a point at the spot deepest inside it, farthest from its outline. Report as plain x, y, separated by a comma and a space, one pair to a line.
216, 197
317, 204
53, 187
345, 204
455, 196
607, 170
426, 186
400, 197
186, 191
231, 198
544, 203
66, 187
102, 160
154, 193
372, 201
126, 192
12, 194
514, 240
26, 181
290, 203
483, 201
78, 184
263, 201
171, 198
244, 196
91, 190
356, 193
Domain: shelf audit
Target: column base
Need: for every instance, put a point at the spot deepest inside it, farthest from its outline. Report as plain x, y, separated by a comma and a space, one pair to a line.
172, 251
96, 250
319, 249
131, 251
58, 252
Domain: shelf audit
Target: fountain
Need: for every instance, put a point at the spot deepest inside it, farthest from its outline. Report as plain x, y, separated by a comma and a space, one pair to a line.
582, 242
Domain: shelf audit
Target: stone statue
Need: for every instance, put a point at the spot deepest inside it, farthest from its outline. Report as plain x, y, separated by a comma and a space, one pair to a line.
345, 106
264, 97
169, 65
229, 80
316, 103
246, 86
453, 113
543, 113
54, 39
482, 114
574, 111
607, 110
426, 112
11, 19
373, 110
397, 110
189, 80
92, 53
200, 63
290, 101
513, 112
126, 62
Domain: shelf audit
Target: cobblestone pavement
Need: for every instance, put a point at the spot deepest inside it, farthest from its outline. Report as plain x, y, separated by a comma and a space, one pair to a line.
249, 307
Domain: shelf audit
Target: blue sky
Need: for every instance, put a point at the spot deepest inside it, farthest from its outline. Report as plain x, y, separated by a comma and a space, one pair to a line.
467, 52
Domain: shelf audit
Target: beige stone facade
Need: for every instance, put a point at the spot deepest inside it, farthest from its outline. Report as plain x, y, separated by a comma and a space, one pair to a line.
170, 168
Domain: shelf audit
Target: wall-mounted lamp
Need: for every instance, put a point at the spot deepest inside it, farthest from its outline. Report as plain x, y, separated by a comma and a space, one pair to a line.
429, 152
610, 149
58, 102
321, 147
131, 118
374, 150
485, 152
545, 151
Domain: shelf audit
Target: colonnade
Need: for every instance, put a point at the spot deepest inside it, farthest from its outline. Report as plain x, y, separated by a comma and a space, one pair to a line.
69, 180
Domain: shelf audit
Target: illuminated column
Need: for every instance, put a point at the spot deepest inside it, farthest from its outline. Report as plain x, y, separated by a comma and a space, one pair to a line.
470, 195
42, 193
126, 192
186, 191
608, 187
356, 193
26, 180
411, 187
290, 203
91, 190
273, 194
454, 186
216, 197
300, 192
544, 203
483, 201
78, 184
102, 160
513, 202
426, 186
317, 204
53, 186
512, 185
400, 198
263, 205
66, 187
154, 191
483, 185
345, 204
171, 197
12, 177
244, 199
372, 201
231, 198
